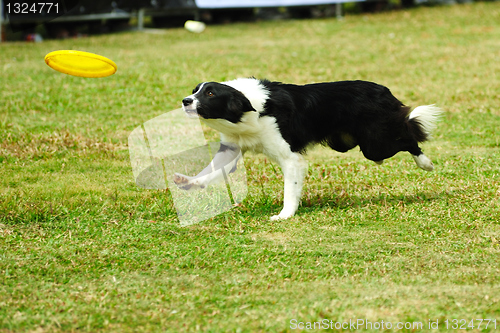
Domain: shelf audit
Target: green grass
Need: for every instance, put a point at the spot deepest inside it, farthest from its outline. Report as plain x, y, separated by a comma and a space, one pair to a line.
83, 249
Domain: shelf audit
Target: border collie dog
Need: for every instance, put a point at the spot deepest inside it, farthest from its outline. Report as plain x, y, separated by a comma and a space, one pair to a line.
283, 120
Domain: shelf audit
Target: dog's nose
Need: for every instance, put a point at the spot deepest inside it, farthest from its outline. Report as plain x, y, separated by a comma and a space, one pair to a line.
186, 101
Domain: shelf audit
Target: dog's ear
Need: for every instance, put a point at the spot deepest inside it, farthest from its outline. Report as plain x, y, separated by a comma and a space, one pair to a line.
239, 103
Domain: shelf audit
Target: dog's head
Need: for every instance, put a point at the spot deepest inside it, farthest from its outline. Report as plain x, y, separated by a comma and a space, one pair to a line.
212, 100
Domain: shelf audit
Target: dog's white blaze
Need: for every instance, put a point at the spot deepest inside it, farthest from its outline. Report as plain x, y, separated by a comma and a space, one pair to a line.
201, 87
428, 116
253, 90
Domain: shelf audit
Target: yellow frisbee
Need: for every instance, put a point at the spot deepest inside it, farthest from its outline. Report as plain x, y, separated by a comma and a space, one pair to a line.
79, 63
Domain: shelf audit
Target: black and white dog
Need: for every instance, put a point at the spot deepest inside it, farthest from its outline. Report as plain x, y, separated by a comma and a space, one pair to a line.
283, 120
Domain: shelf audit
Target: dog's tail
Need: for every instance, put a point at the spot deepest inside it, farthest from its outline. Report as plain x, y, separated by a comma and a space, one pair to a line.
422, 121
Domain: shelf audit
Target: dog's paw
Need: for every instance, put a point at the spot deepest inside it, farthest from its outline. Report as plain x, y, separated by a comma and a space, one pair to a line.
423, 162
280, 216
285, 213
186, 183
275, 218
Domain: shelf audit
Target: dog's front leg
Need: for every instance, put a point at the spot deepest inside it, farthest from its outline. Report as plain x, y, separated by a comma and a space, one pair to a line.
293, 167
225, 159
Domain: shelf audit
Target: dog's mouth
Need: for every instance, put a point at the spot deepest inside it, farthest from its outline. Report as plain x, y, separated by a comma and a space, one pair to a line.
191, 111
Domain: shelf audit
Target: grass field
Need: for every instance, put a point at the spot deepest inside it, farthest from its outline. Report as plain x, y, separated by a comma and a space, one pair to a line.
82, 248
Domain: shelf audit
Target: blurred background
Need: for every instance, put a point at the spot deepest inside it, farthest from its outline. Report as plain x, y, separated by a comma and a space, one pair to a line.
79, 18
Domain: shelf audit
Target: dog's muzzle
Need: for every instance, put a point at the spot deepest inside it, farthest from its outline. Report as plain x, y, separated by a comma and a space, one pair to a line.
187, 101
189, 106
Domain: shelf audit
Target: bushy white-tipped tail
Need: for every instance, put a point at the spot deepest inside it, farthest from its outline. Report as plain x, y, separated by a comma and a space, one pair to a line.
427, 116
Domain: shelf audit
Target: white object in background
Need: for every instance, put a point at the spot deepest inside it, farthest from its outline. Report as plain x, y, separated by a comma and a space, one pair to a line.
194, 26
211, 4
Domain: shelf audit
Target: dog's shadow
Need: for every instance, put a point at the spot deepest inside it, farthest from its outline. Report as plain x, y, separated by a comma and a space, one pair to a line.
312, 204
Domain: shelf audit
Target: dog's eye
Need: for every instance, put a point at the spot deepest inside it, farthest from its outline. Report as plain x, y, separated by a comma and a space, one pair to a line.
210, 93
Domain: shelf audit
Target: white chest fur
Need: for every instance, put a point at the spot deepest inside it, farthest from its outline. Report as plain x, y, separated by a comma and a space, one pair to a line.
254, 133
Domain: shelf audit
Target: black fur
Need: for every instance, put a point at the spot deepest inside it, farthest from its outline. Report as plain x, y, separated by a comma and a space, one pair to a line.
343, 115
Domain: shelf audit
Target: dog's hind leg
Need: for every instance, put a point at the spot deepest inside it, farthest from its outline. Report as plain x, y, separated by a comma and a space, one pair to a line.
381, 151
423, 162
420, 123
